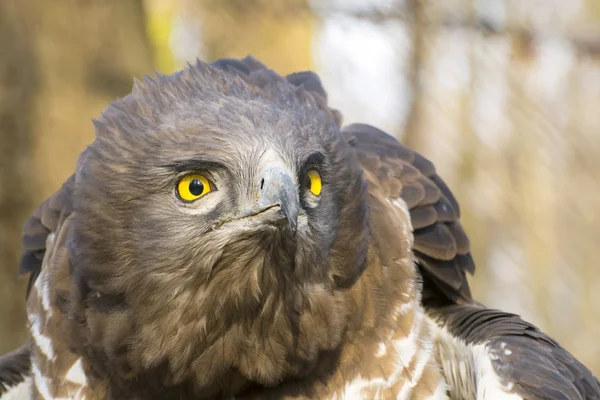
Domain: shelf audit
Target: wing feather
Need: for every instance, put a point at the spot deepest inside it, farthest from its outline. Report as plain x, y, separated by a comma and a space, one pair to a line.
15, 366
45, 220
413, 194
423, 216
522, 356
441, 246
436, 241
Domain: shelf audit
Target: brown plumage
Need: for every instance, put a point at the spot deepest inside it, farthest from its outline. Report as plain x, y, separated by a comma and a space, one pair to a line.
265, 287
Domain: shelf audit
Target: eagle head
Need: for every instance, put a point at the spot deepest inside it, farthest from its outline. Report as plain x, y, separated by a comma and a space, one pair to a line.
212, 217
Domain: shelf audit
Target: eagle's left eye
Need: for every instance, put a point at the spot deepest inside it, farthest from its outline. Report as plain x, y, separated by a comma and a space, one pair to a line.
193, 186
313, 182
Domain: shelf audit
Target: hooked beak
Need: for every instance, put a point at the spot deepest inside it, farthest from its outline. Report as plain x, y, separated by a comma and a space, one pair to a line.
276, 188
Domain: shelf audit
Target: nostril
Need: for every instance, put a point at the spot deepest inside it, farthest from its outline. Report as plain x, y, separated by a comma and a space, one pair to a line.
262, 183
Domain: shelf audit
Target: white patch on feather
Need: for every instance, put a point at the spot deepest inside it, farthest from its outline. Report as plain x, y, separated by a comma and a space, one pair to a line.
43, 342
400, 310
410, 288
406, 347
19, 392
355, 389
489, 386
400, 204
468, 369
441, 392
41, 284
425, 353
41, 383
76, 374
381, 349
406, 350
78, 394
403, 308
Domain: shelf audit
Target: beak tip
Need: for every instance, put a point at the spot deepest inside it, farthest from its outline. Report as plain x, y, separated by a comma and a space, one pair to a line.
277, 187
293, 225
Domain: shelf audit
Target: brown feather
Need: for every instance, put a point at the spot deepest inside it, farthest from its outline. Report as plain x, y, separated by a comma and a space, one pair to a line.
423, 216
436, 241
14, 368
441, 246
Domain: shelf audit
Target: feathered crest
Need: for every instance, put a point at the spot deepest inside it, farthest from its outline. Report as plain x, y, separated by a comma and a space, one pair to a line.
246, 79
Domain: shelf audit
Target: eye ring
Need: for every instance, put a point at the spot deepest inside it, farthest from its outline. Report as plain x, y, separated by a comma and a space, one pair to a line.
191, 187
313, 182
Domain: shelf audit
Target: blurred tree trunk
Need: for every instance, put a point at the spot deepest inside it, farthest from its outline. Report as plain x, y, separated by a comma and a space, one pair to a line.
18, 87
418, 29
62, 62
278, 33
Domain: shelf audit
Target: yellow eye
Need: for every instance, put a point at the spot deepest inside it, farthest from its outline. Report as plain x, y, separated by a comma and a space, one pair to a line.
192, 187
313, 182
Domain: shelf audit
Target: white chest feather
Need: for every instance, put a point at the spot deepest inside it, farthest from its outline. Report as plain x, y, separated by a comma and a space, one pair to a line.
19, 392
411, 356
74, 383
468, 369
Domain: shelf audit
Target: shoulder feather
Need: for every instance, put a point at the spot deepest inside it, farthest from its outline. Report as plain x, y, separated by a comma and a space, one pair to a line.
441, 246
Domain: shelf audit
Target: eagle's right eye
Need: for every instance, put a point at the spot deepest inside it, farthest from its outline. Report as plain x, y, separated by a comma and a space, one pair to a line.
313, 182
193, 186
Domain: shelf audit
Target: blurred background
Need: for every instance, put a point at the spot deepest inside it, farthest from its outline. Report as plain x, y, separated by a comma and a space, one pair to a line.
503, 95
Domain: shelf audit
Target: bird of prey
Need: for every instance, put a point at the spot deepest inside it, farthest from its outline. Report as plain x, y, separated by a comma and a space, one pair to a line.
225, 236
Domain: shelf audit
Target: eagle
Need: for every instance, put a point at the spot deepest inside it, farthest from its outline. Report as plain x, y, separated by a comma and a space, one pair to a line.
226, 236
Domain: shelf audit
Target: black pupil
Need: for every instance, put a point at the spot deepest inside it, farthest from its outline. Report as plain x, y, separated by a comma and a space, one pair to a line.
196, 187
307, 182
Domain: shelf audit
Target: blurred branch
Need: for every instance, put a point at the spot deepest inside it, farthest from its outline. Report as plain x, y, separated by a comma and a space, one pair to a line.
587, 42
246, 8
372, 14
411, 135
